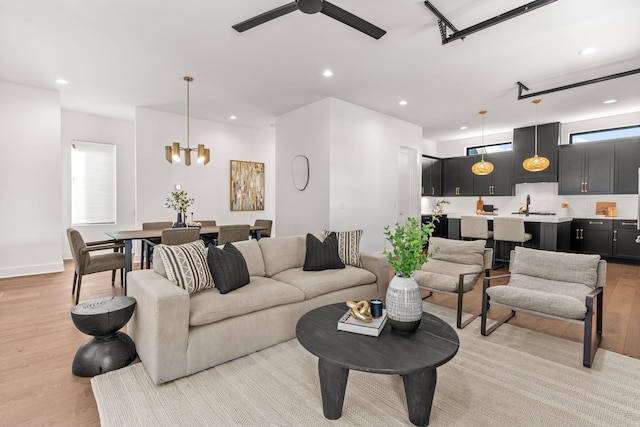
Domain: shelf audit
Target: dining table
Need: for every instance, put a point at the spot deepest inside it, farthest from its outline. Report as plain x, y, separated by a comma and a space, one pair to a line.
128, 236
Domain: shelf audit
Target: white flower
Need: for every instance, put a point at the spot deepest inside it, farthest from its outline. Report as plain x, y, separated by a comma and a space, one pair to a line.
179, 201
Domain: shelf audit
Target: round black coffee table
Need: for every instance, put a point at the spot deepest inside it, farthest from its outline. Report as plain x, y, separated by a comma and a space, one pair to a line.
109, 349
414, 356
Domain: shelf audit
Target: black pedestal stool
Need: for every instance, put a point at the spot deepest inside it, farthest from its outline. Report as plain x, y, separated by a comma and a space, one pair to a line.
109, 349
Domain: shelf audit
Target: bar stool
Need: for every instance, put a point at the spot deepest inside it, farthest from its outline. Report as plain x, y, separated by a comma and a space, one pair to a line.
475, 227
511, 231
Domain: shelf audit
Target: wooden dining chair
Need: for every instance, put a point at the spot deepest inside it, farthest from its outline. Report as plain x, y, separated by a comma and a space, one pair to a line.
233, 233
147, 244
264, 223
208, 237
85, 262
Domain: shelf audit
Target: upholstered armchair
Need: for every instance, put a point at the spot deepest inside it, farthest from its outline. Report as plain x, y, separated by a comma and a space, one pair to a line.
554, 285
87, 262
454, 269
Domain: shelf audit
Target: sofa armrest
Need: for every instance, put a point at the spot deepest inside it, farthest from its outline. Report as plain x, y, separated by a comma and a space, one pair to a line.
159, 325
376, 262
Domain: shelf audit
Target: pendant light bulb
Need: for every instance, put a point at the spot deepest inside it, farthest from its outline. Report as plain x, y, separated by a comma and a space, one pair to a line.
482, 167
536, 163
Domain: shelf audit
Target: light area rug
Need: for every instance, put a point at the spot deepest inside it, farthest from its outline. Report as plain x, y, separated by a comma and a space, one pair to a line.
514, 377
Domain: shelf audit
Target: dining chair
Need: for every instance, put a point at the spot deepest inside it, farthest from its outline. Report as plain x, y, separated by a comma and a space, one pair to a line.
209, 237
147, 244
87, 263
264, 223
173, 236
233, 233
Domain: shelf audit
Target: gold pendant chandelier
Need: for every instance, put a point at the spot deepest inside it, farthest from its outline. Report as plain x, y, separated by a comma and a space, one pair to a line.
172, 152
482, 167
536, 163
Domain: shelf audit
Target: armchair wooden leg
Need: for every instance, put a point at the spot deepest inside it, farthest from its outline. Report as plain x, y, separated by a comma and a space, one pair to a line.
78, 291
113, 277
75, 280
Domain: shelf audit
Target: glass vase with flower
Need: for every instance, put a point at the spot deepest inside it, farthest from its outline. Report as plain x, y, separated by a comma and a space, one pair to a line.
179, 201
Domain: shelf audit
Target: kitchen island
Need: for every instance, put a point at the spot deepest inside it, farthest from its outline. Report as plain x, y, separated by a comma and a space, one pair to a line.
550, 232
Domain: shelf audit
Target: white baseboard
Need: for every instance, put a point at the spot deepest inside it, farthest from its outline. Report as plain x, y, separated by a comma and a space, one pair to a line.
30, 270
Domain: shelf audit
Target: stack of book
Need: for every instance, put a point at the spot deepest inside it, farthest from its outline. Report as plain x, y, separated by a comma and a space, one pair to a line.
349, 323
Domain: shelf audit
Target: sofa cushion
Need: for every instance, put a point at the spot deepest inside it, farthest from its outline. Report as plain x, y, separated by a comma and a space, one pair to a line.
315, 283
186, 265
458, 251
348, 246
252, 255
322, 255
559, 266
228, 267
563, 299
444, 276
282, 253
261, 293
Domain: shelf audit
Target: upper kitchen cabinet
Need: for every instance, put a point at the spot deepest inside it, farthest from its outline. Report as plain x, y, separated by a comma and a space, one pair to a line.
431, 176
457, 178
498, 182
524, 147
627, 162
586, 168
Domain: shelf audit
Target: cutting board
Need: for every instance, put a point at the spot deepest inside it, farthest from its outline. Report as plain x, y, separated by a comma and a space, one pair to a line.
606, 208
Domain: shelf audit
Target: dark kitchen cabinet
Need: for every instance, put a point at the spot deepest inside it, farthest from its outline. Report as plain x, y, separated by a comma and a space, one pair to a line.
431, 176
627, 162
586, 168
524, 147
592, 236
625, 233
457, 178
498, 182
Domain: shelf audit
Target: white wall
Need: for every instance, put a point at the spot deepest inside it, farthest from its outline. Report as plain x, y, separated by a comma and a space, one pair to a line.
30, 195
88, 127
353, 154
306, 132
208, 184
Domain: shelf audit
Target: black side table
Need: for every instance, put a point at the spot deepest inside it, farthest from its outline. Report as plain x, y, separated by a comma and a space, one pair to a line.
109, 349
414, 356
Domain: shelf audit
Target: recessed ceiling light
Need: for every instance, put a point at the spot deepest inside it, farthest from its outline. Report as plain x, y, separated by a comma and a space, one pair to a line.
232, 117
327, 73
62, 82
463, 127
587, 51
610, 101
403, 102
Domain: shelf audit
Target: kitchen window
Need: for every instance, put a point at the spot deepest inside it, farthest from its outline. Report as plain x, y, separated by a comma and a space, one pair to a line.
93, 183
604, 134
492, 148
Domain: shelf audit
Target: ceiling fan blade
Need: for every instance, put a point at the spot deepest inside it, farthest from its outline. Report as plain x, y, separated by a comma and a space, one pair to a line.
264, 17
351, 20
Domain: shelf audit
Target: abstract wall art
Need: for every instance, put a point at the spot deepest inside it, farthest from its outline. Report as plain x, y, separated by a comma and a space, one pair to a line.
247, 186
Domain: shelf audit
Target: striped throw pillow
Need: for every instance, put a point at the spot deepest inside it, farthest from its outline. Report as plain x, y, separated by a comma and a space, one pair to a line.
348, 246
186, 265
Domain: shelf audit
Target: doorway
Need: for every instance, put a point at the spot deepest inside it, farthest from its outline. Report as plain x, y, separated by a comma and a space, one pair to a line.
408, 191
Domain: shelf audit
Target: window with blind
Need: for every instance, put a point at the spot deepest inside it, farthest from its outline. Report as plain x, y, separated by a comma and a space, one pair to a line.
93, 183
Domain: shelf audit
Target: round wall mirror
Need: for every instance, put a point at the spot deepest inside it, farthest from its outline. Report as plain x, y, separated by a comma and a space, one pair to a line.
300, 172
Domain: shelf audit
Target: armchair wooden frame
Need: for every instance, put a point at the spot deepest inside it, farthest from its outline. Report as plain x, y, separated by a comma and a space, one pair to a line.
591, 344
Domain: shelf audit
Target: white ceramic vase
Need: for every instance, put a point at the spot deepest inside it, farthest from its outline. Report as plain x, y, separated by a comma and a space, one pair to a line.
404, 304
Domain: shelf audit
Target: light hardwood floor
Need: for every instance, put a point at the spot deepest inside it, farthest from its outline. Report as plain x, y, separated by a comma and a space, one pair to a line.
38, 340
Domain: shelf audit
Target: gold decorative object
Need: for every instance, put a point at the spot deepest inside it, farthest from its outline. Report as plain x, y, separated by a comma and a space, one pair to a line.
360, 310
172, 152
482, 167
535, 163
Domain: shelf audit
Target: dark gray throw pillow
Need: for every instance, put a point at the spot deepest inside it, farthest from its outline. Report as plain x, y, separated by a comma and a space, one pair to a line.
228, 268
321, 255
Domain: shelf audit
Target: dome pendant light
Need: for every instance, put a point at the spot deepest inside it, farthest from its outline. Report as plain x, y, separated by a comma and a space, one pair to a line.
172, 152
536, 163
482, 167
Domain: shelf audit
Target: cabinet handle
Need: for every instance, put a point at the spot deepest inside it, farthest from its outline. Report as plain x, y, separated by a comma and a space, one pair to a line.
596, 222
615, 235
586, 187
629, 223
577, 234
433, 191
581, 235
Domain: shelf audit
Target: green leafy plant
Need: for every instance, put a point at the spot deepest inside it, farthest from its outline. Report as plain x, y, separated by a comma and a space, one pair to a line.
408, 242
179, 201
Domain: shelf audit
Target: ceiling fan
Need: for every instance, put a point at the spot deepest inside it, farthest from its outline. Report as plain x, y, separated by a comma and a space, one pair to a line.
310, 7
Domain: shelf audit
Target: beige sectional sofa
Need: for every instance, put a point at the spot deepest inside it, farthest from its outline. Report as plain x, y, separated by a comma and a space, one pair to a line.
177, 334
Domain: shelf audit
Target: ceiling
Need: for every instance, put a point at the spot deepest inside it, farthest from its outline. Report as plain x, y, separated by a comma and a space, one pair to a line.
122, 54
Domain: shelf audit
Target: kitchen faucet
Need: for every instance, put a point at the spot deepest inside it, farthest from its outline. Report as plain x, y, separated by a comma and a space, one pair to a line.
526, 210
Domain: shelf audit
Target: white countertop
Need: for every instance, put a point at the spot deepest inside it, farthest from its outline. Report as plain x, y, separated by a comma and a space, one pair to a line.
531, 218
